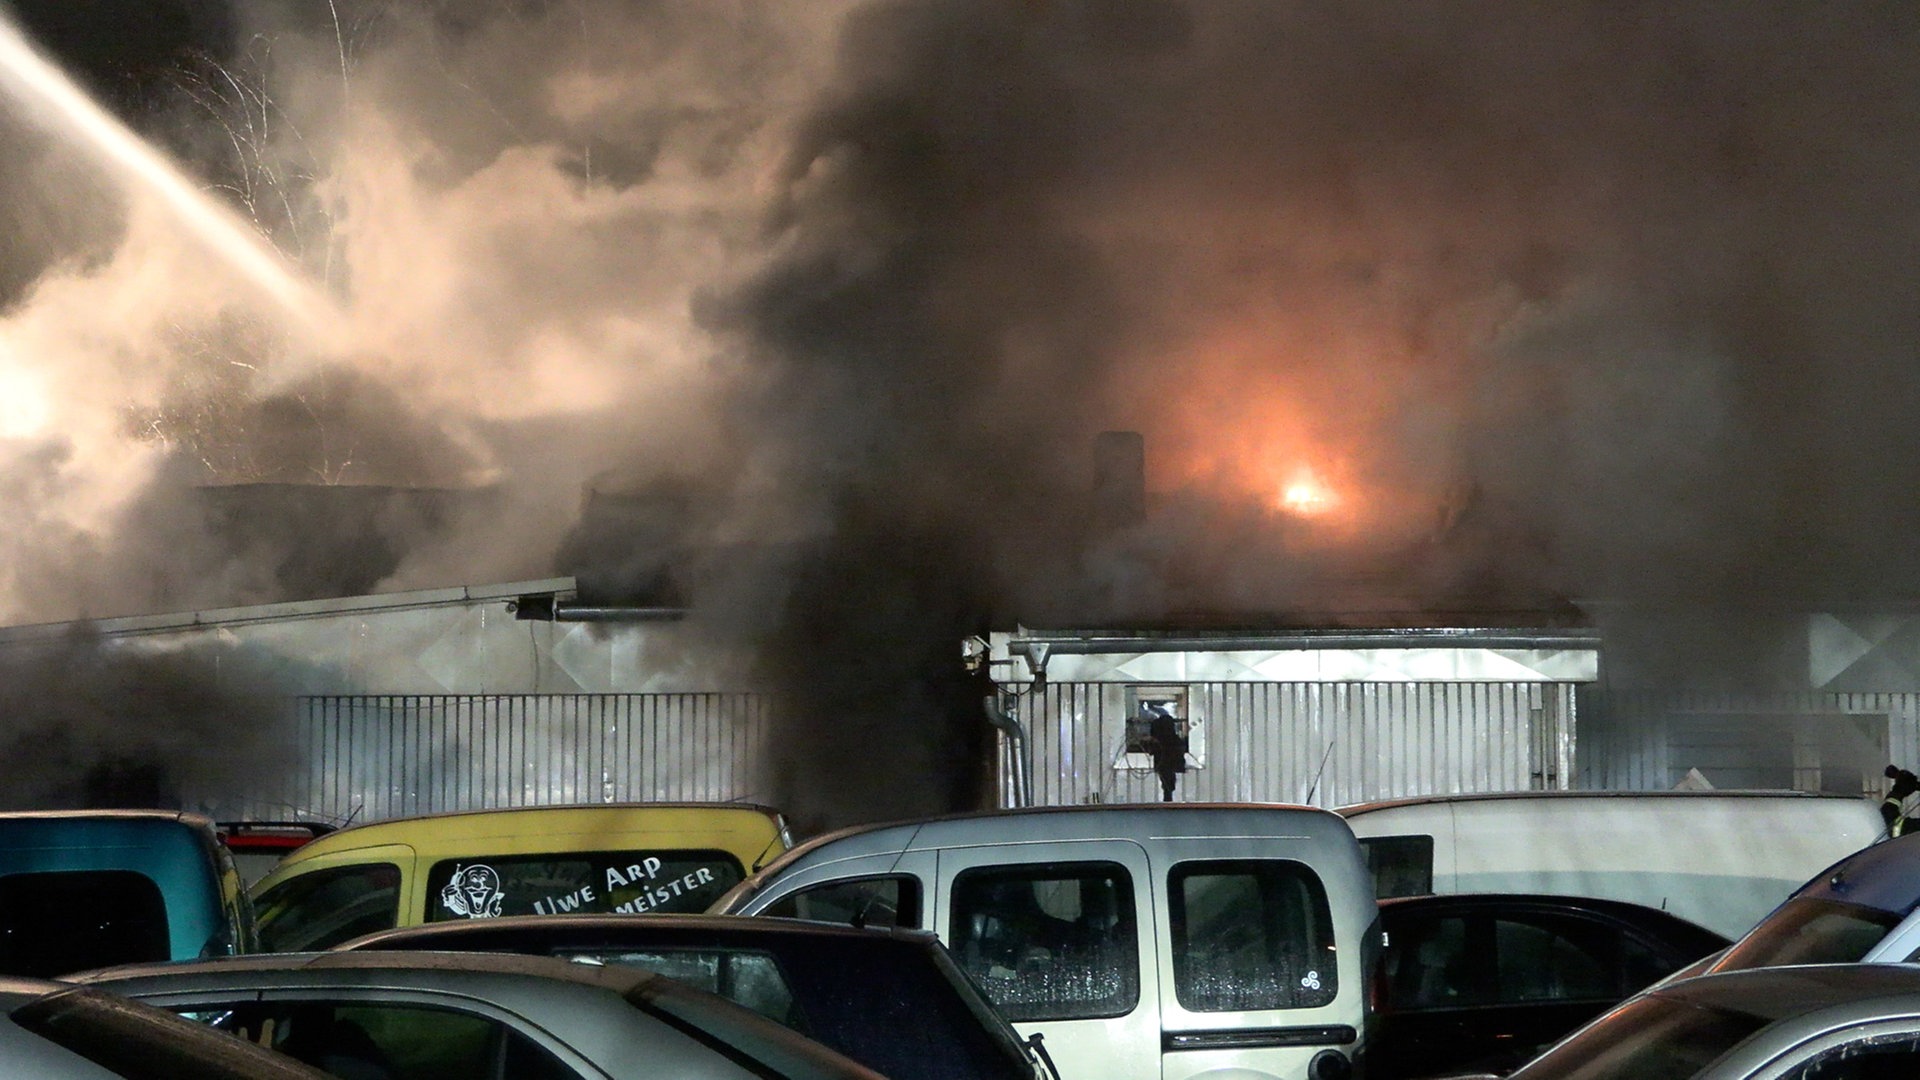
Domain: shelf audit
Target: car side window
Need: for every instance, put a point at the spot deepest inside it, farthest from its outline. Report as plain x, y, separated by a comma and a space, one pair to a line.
1432, 966
1049, 941
382, 1041
892, 900
1893, 1057
1549, 959
1400, 865
1250, 934
752, 979
323, 908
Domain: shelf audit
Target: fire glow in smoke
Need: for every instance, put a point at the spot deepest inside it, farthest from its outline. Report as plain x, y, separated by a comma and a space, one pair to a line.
1575, 299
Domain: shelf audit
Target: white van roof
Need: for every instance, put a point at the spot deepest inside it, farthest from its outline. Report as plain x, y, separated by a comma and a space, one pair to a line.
1107, 820
1720, 793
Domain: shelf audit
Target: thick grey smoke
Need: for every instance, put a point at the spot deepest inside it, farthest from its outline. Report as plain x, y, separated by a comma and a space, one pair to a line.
91, 723
1438, 306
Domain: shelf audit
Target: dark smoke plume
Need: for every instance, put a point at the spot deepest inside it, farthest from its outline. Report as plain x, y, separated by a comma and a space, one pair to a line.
1599, 299
91, 724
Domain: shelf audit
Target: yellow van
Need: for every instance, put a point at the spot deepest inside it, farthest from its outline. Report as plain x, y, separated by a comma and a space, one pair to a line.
614, 857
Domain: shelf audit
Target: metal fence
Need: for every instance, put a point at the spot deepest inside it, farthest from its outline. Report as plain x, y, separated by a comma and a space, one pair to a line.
1811, 741
366, 758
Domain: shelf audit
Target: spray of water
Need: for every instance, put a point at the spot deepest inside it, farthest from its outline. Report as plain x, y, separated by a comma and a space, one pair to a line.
51, 99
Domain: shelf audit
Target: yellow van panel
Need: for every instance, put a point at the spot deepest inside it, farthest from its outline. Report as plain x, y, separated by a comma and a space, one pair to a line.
752, 834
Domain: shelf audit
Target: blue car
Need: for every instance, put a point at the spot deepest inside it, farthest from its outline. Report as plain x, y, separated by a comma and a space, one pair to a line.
89, 889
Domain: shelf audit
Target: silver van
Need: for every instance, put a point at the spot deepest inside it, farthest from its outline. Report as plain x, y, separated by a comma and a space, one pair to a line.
1151, 942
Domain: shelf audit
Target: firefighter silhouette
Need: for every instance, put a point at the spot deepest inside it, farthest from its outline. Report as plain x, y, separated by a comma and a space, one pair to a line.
1893, 808
1166, 745
473, 892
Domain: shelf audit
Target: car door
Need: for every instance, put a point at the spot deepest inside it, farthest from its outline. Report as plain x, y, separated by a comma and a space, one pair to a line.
1487, 986
1060, 937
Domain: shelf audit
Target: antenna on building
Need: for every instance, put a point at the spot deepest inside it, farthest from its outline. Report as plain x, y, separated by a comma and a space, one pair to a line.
1317, 773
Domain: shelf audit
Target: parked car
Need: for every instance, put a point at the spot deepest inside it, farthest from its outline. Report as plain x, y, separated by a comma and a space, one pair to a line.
1485, 981
623, 858
56, 1031
258, 846
1820, 1022
367, 1015
892, 1000
1144, 942
89, 888
1866, 907
1722, 859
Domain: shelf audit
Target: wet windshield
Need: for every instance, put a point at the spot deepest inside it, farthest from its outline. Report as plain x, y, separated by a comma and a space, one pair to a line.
1810, 931
1654, 1038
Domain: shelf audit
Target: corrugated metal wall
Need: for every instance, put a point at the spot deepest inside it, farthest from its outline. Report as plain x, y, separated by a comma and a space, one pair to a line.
1641, 740
382, 756
1329, 744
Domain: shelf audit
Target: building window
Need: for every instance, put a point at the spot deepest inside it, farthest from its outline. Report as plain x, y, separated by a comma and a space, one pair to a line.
1143, 704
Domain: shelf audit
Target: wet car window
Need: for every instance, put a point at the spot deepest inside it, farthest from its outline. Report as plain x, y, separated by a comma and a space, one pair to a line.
326, 907
624, 882
1651, 1039
1894, 1057
1250, 934
1049, 942
745, 978
874, 901
1810, 931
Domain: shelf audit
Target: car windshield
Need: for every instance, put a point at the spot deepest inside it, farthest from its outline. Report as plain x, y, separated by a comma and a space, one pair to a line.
1652, 1038
1811, 931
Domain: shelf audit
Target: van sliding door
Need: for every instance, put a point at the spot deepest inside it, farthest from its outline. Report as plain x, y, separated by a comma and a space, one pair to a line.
1060, 937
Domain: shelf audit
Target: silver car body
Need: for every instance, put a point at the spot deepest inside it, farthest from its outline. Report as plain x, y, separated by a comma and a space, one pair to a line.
612, 1022
1172, 860
1784, 1023
57, 1031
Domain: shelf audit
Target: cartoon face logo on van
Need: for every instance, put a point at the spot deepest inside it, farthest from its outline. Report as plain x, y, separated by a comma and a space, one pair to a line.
473, 892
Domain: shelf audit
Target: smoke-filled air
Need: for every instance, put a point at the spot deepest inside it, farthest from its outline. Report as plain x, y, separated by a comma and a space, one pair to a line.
1417, 307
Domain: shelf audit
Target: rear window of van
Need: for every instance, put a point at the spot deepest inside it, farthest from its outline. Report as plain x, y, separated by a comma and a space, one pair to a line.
621, 882
70, 920
1250, 934
1049, 941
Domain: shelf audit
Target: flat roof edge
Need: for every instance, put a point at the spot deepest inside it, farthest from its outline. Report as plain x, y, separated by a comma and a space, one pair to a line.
134, 625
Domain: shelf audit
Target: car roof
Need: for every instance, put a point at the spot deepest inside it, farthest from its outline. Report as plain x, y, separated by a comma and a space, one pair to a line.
364, 967
1064, 823
185, 816
1499, 796
464, 825
1778, 993
661, 928
1650, 918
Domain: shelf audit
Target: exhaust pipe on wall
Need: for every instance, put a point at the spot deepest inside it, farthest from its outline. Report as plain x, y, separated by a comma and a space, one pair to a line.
1004, 719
